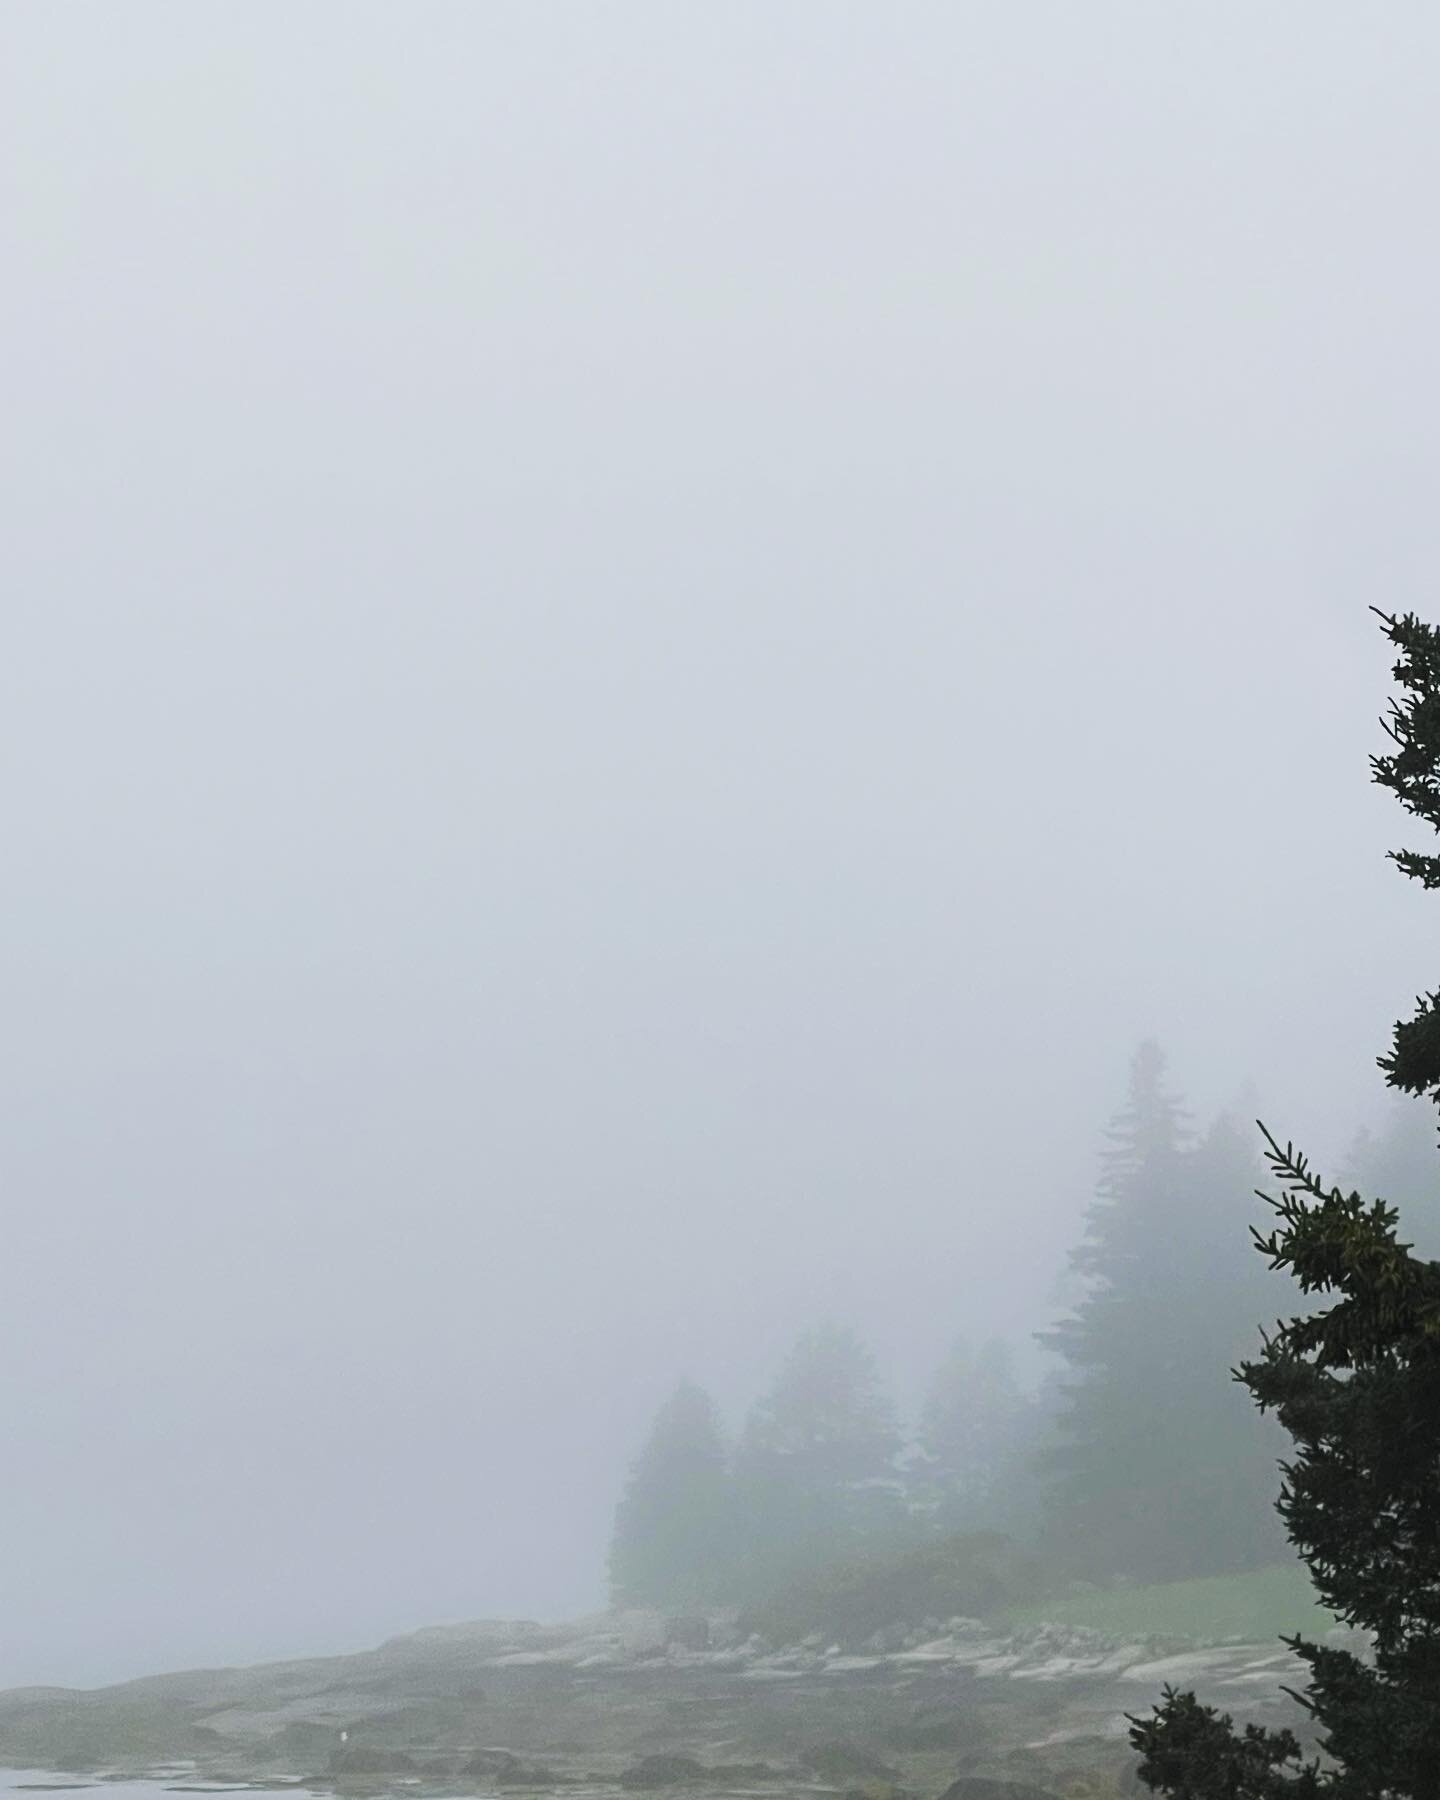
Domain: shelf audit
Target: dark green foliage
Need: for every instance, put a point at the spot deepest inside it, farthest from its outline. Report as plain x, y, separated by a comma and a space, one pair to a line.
816, 1477
674, 1540
972, 1574
1357, 1387
1412, 773
1160, 1472
1195, 1753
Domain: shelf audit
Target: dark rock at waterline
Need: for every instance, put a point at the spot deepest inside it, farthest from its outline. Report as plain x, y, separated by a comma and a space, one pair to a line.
303, 1739
939, 1723
663, 1771
846, 1764
492, 1763
504, 1769
370, 1759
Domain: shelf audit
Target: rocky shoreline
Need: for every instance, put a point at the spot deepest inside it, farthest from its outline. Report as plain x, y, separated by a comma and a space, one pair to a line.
636, 1701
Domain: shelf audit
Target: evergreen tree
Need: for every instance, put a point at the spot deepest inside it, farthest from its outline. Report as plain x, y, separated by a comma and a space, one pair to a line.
969, 1470
673, 1542
1357, 1387
1157, 1466
816, 1467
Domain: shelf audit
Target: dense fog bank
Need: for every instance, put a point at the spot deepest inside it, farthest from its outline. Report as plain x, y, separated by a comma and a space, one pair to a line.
642, 646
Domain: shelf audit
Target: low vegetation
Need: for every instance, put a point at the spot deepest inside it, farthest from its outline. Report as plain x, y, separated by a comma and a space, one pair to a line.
976, 1575
1261, 1605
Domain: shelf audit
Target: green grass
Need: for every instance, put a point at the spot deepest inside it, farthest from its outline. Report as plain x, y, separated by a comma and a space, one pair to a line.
1234, 1608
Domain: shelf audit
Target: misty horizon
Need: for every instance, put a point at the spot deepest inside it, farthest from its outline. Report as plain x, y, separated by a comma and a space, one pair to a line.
644, 642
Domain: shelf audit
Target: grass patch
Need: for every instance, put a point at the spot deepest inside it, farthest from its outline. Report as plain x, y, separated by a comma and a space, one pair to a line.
1267, 1603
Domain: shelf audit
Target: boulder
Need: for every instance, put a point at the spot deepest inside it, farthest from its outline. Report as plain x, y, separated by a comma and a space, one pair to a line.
691, 1632
492, 1762
302, 1739
663, 1771
370, 1759
936, 1725
641, 1631
846, 1765
503, 1768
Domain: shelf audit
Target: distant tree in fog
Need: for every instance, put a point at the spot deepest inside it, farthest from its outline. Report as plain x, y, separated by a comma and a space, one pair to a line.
1397, 1162
816, 1473
673, 1540
968, 1469
1159, 1469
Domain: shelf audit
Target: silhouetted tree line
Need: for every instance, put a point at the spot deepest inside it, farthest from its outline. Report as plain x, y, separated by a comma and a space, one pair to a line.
1150, 1473
1138, 1459
821, 1474
1157, 1469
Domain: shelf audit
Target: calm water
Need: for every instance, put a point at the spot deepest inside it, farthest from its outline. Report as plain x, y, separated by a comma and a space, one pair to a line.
35, 1784
168, 1784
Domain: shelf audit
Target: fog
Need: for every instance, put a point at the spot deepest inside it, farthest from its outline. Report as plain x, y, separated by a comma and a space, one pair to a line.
641, 641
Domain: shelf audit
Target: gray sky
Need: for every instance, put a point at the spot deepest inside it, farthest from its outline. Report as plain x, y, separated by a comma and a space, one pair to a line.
639, 642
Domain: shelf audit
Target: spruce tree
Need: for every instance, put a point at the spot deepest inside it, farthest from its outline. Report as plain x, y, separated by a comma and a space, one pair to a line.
816, 1466
969, 1471
1097, 1458
1357, 1387
673, 1542
1158, 1469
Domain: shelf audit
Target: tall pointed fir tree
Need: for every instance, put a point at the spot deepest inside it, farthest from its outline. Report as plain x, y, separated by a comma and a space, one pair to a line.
673, 1542
816, 1473
1157, 1464
1357, 1387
